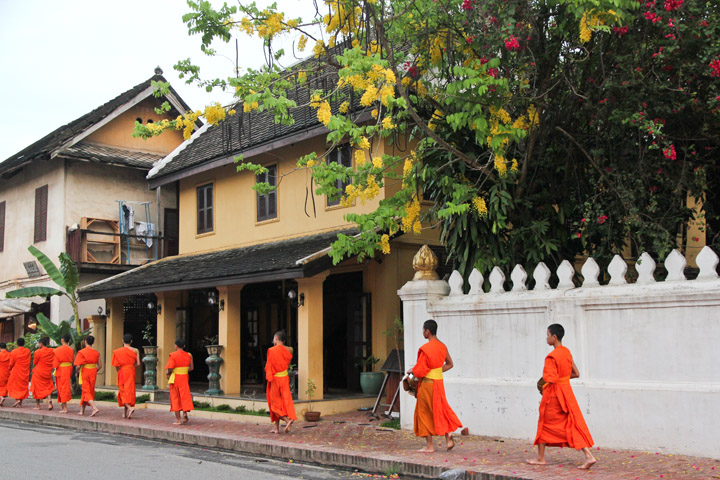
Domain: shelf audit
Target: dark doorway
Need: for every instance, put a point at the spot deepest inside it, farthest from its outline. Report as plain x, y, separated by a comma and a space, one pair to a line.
264, 312
347, 334
171, 232
201, 323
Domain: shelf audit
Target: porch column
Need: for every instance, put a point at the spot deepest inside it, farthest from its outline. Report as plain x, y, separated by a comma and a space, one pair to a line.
229, 333
310, 335
113, 335
98, 331
166, 331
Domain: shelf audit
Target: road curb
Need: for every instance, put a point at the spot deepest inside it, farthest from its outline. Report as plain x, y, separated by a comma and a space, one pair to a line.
337, 458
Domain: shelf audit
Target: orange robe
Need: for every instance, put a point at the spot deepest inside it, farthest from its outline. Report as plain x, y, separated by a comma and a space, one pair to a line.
433, 415
279, 396
561, 423
64, 355
19, 373
125, 358
42, 385
180, 397
4, 372
87, 375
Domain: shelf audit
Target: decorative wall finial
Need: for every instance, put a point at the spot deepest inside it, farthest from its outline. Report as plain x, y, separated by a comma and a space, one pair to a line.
425, 262
158, 70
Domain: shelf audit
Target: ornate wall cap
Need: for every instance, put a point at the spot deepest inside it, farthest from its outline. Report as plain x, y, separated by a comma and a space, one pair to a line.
425, 262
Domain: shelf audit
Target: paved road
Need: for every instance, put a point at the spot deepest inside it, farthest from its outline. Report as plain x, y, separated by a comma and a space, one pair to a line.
30, 452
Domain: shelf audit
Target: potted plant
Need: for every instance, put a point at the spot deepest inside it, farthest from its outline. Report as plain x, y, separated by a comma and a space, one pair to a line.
310, 415
370, 381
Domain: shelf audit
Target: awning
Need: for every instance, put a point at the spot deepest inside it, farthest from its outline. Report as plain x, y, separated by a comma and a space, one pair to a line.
286, 259
9, 307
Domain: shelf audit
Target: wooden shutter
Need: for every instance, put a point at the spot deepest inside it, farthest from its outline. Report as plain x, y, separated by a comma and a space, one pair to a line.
272, 196
41, 201
200, 210
205, 208
209, 224
267, 204
2, 226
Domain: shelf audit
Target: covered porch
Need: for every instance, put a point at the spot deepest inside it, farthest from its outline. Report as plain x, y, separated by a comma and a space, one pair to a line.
237, 298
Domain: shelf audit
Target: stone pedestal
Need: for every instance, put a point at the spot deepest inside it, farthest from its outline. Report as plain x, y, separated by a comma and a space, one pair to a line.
150, 360
213, 362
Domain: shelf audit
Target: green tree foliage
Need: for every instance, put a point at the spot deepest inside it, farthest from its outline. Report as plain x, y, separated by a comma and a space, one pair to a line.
539, 129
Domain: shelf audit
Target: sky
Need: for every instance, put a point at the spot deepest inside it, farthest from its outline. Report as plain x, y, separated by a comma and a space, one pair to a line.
61, 59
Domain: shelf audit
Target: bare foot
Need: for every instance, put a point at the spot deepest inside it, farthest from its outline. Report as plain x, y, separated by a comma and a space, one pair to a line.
2, 401
588, 464
17, 404
94, 412
131, 410
177, 423
185, 418
426, 450
63, 411
37, 407
450, 443
274, 430
287, 426
81, 412
50, 407
535, 461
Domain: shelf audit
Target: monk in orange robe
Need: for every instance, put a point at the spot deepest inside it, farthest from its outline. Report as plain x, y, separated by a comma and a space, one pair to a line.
64, 356
125, 359
19, 373
4, 372
88, 361
42, 384
561, 423
180, 364
278, 393
433, 415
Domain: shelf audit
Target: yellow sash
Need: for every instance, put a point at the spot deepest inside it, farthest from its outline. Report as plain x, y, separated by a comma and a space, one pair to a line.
435, 374
87, 365
281, 374
179, 371
63, 364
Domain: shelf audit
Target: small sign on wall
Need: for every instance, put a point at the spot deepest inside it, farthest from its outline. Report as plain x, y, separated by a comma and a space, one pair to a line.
32, 269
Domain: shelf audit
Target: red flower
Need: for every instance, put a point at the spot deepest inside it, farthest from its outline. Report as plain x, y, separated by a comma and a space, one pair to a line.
715, 67
484, 60
671, 5
467, 5
493, 72
670, 153
579, 235
652, 16
654, 188
695, 239
659, 172
602, 218
512, 43
620, 30
583, 220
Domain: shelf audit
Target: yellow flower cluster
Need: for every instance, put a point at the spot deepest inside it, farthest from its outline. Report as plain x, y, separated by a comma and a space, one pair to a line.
359, 158
341, 19
214, 113
377, 162
324, 114
363, 143
478, 203
272, 25
363, 193
310, 163
157, 128
407, 168
514, 165
587, 22
344, 107
500, 165
378, 85
250, 106
533, 116
319, 48
301, 76
387, 123
302, 43
411, 220
186, 123
384, 244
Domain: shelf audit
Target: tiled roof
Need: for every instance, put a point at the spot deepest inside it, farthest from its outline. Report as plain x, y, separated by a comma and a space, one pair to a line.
46, 145
255, 263
112, 155
247, 129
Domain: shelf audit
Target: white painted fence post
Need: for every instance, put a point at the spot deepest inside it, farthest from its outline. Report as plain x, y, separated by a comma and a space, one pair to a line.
415, 295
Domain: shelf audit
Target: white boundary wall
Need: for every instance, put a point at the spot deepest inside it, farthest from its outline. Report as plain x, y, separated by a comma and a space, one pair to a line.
648, 353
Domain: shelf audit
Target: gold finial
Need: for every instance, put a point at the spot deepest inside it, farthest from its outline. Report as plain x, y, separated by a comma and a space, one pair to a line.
424, 263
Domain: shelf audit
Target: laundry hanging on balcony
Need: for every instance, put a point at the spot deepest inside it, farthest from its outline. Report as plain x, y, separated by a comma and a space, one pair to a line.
146, 230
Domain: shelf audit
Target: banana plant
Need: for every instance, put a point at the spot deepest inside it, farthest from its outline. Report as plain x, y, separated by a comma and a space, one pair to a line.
66, 278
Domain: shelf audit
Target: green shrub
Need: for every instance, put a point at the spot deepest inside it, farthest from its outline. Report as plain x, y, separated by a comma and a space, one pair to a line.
142, 398
394, 423
223, 408
241, 409
262, 412
105, 396
201, 405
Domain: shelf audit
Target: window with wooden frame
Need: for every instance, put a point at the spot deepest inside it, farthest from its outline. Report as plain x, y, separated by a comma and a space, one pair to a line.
342, 156
205, 222
267, 204
41, 203
2, 226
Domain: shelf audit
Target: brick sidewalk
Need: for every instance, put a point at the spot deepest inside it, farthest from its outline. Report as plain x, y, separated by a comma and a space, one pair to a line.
355, 441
